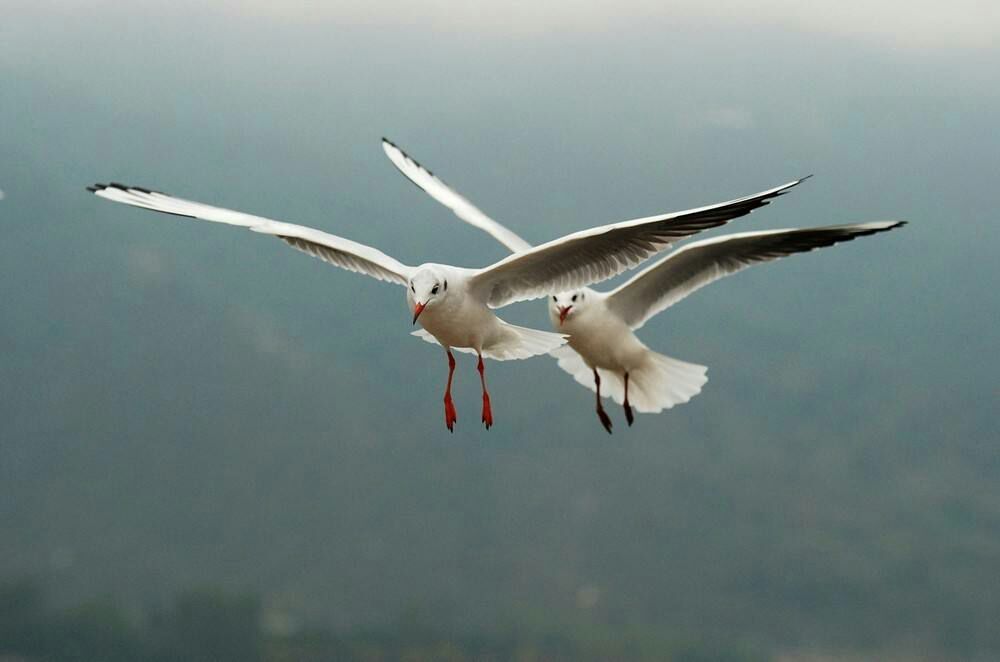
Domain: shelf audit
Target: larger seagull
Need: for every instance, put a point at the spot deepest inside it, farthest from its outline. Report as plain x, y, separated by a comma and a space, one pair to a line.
454, 304
603, 350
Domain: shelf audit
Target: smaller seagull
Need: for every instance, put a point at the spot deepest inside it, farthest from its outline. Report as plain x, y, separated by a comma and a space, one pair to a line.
603, 350
454, 305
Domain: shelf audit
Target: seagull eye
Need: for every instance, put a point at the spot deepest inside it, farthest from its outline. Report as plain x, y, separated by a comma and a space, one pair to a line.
434, 290
446, 286
555, 299
413, 289
574, 298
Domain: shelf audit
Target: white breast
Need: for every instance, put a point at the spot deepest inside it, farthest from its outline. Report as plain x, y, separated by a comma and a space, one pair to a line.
603, 339
460, 320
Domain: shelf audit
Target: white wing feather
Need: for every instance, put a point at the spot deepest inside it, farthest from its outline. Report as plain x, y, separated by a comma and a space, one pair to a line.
593, 255
330, 248
696, 265
447, 196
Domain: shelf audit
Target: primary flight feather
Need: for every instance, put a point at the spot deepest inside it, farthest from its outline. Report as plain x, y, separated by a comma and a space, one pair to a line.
454, 304
603, 350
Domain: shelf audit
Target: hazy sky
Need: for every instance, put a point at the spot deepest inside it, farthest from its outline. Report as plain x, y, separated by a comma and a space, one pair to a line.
175, 394
918, 24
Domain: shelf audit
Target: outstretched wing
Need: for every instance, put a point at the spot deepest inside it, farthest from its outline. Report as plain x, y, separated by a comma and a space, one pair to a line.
696, 265
593, 255
437, 189
338, 251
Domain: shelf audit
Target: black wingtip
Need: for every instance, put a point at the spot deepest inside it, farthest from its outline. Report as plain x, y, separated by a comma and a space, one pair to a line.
388, 142
788, 187
122, 187
879, 228
891, 225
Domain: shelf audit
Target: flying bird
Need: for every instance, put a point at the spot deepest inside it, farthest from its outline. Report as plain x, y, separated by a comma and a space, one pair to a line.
603, 349
454, 304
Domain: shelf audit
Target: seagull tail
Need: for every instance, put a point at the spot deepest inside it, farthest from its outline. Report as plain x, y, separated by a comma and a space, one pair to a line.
659, 383
520, 342
517, 342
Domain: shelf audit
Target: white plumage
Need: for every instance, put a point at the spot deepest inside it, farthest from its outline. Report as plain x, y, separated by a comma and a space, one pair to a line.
603, 352
453, 304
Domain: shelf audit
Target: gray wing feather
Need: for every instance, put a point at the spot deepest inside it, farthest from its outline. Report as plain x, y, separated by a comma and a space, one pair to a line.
340, 252
696, 265
433, 186
597, 254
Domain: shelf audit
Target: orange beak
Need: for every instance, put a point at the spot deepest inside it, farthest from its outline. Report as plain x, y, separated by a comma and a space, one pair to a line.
563, 312
417, 309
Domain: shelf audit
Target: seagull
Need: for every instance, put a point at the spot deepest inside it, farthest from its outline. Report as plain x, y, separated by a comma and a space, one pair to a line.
454, 305
603, 349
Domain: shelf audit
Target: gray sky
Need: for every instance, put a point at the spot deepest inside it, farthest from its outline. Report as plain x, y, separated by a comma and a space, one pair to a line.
915, 24
245, 397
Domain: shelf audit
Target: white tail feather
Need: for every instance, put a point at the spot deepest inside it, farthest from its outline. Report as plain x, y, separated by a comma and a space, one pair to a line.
660, 383
518, 343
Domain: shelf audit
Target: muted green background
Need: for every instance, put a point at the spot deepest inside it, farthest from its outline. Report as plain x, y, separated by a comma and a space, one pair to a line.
184, 405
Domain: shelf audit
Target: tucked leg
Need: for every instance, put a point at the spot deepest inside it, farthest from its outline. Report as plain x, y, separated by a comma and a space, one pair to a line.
601, 414
450, 417
487, 410
628, 407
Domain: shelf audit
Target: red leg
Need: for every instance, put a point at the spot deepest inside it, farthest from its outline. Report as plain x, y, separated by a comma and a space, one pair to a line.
487, 410
601, 414
450, 417
628, 407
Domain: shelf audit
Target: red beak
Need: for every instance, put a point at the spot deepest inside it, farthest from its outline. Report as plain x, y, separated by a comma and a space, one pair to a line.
563, 312
417, 309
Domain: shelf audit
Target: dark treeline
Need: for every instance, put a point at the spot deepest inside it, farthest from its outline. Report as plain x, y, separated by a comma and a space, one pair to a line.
212, 625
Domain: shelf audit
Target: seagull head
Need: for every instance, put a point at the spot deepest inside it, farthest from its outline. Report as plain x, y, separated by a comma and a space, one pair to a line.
566, 305
427, 288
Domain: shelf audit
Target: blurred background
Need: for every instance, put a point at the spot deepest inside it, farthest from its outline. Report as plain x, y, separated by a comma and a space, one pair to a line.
214, 447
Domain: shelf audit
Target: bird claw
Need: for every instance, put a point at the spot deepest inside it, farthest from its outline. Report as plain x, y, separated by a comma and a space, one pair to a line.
605, 419
450, 416
487, 411
628, 414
